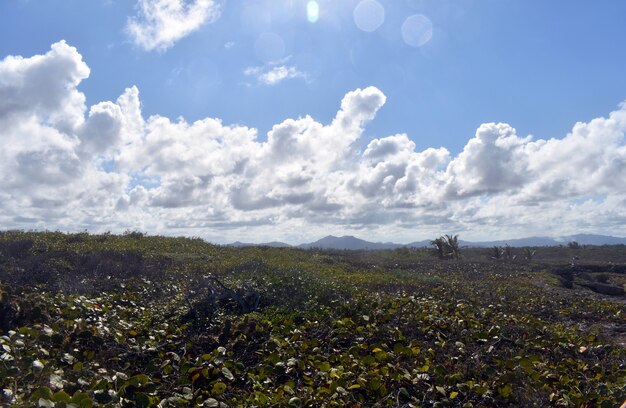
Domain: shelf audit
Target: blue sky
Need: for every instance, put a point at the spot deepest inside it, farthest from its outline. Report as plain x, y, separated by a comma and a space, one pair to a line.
539, 67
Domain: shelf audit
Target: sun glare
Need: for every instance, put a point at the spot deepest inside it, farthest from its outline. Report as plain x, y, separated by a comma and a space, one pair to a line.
369, 15
417, 30
312, 11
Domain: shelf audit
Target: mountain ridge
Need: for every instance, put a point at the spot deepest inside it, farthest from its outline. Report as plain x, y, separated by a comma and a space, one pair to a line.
350, 242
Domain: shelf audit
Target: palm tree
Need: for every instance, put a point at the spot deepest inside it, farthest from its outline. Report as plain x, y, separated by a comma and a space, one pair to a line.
497, 253
440, 247
504, 253
446, 246
529, 254
453, 245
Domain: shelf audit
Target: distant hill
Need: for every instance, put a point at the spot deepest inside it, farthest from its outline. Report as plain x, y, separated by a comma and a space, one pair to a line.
273, 244
348, 242
419, 244
582, 239
520, 242
351, 242
591, 239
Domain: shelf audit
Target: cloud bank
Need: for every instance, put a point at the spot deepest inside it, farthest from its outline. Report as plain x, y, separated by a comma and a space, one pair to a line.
161, 23
67, 166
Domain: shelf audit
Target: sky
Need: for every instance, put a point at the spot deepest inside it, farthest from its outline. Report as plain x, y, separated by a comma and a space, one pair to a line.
288, 120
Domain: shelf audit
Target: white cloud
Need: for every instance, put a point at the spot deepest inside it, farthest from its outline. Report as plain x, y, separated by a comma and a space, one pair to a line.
106, 167
491, 162
25, 88
274, 75
161, 23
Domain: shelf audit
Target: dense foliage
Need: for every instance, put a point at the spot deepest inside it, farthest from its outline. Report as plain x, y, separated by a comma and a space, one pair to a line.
135, 320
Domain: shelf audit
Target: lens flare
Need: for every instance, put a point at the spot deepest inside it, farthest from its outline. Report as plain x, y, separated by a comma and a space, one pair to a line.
269, 47
417, 30
369, 15
312, 11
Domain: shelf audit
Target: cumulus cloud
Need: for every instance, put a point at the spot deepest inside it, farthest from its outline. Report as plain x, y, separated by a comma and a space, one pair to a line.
161, 23
49, 159
26, 91
107, 167
274, 75
491, 162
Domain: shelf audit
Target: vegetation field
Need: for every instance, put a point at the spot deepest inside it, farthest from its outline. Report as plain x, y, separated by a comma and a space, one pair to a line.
141, 321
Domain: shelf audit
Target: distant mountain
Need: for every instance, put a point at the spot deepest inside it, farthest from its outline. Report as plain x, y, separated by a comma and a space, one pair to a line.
351, 242
348, 242
520, 242
420, 244
582, 239
273, 244
533, 241
591, 239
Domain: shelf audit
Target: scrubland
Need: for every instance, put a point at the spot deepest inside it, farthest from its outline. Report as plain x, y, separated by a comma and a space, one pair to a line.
135, 320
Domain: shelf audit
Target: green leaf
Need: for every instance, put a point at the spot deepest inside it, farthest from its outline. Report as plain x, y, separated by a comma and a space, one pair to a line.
139, 379
295, 402
56, 381
324, 366
526, 363
505, 391
46, 403
218, 388
41, 392
227, 373
80, 396
481, 390
141, 400
37, 366
374, 384
211, 403
149, 388
61, 396
381, 355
